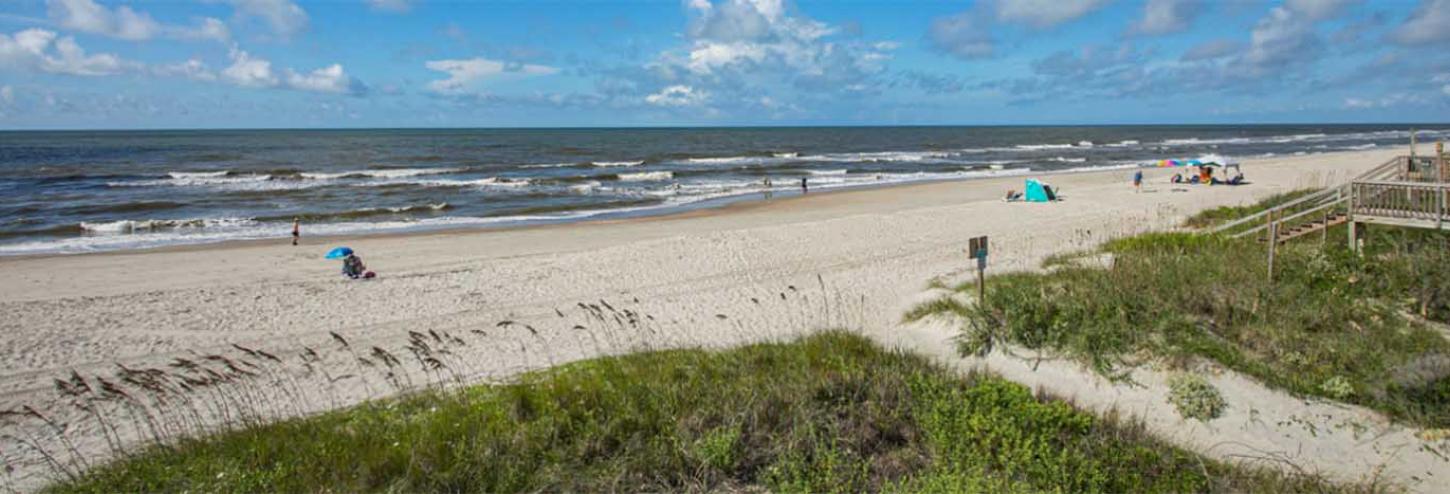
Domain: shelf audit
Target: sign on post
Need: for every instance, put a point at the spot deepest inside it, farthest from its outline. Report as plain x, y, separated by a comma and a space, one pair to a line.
977, 248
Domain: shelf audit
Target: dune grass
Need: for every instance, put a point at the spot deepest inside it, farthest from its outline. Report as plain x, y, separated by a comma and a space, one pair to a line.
1333, 324
1224, 214
829, 413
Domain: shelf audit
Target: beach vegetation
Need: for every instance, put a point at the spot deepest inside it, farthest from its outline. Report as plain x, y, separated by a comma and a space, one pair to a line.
828, 413
1195, 398
1368, 329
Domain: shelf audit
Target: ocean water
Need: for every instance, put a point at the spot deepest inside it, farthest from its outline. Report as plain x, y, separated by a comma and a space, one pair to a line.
69, 192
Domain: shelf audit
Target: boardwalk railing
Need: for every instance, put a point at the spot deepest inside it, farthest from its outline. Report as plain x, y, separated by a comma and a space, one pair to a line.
1318, 201
1400, 202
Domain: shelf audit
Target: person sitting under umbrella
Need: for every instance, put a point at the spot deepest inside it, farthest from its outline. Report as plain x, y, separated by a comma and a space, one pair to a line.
352, 265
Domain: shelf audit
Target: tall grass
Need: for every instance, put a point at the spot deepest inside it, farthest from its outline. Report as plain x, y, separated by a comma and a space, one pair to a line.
1333, 324
1224, 214
829, 413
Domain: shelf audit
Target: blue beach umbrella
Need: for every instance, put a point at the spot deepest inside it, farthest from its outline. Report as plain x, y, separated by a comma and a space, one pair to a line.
339, 253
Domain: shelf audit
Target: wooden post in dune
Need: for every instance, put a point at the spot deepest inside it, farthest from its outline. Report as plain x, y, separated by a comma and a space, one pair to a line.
977, 247
1273, 232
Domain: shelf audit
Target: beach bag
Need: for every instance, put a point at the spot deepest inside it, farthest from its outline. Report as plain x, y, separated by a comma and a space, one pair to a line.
369, 275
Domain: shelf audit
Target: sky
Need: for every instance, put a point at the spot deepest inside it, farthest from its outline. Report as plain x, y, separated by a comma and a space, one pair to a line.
103, 64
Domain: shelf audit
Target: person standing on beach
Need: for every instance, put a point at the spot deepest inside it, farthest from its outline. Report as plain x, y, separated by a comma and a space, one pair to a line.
1138, 181
767, 187
804, 187
296, 229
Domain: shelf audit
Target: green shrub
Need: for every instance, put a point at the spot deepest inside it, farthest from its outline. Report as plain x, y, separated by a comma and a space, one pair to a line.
1332, 324
1195, 398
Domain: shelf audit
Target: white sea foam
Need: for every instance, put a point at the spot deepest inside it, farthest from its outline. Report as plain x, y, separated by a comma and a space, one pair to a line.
1085, 144
726, 160
785, 155
1039, 147
841, 171
130, 226
197, 175
617, 163
1063, 159
549, 165
388, 173
646, 176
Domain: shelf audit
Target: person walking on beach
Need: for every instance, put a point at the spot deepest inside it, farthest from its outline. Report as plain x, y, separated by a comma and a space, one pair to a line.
296, 229
804, 188
1138, 181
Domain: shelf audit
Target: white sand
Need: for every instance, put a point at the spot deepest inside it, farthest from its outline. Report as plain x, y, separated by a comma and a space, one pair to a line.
746, 272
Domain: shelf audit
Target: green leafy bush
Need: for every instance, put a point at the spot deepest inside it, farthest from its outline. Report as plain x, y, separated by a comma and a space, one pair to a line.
1195, 398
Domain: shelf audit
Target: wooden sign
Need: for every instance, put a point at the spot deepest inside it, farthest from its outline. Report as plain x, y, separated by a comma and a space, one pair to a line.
977, 247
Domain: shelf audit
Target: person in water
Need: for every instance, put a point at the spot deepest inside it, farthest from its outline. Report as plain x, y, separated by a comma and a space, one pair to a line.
296, 229
352, 266
804, 188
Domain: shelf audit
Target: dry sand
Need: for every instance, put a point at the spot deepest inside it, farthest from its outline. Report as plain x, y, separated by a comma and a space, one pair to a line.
502, 301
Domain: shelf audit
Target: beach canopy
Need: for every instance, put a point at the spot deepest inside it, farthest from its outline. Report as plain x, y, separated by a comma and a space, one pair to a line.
1034, 191
1169, 163
339, 253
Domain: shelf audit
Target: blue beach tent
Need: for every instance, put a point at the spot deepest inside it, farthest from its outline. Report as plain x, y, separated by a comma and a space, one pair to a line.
1035, 191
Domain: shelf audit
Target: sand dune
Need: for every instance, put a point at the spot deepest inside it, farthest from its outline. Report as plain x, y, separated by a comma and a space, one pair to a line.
745, 272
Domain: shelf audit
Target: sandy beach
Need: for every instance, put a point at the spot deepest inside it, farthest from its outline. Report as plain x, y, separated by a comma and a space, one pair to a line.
513, 299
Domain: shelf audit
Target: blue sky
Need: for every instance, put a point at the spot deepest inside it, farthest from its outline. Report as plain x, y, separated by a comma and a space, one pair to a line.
414, 63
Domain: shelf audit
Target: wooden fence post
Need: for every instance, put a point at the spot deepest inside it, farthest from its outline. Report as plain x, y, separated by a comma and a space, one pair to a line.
1273, 231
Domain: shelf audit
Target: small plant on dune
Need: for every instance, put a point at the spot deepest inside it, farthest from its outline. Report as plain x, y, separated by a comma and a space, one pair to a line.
1337, 387
1195, 398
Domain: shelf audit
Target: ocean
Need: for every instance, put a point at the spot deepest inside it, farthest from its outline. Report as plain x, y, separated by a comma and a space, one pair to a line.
86, 191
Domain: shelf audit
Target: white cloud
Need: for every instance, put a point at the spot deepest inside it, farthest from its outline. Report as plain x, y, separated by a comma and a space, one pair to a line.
741, 37
285, 18
247, 71
1430, 23
964, 35
45, 51
250, 71
1212, 50
1167, 16
124, 23
677, 96
1318, 9
329, 79
7, 95
464, 74
193, 69
1280, 39
1044, 14
391, 5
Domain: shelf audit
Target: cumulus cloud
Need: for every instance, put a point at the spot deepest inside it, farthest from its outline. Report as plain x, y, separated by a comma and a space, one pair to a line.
963, 35
284, 17
124, 23
1044, 14
1166, 16
396, 6
45, 51
762, 41
1430, 23
247, 70
464, 75
676, 96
